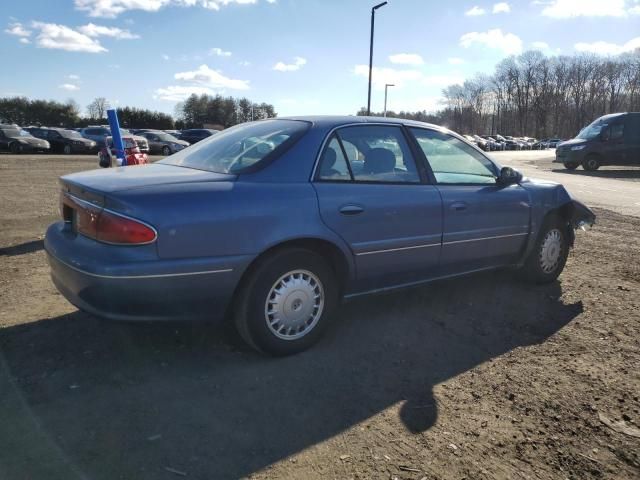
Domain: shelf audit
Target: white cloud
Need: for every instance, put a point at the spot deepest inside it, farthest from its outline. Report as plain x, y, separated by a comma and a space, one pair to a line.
584, 8
92, 30
606, 48
406, 59
382, 76
18, 30
210, 78
52, 35
506, 42
24, 40
502, 7
165, 56
455, 61
634, 10
291, 67
113, 8
219, 52
70, 87
244, 63
430, 104
178, 93
73, 77
475, 12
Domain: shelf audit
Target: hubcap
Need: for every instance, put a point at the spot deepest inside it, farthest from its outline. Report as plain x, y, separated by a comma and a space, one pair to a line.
550, 250
294, 305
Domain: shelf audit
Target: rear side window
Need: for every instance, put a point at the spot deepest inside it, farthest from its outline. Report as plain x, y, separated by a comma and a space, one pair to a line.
368, 153
240, 148
632, 128
616, 131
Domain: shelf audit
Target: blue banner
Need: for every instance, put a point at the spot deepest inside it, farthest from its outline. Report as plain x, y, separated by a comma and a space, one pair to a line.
118, 144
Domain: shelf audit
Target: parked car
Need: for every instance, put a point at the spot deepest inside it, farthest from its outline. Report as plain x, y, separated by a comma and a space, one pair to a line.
494, 144
553, 142
63, 140
163, 143
612, 139
194, 135
482, 143
99, 133
17, 140
108, 155
273, 222
512, 143
175, 133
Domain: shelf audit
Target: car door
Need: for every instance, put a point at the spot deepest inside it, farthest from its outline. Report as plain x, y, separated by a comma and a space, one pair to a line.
372, 193
155, 145
632, 138
613, 147
484, 224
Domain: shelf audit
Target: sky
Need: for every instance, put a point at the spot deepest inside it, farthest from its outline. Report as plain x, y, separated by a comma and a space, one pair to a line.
302, 56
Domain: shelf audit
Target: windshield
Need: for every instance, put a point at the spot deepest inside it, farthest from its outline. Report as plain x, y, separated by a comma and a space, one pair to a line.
591, 131
165, 137
70, 134
238, 148
15, 132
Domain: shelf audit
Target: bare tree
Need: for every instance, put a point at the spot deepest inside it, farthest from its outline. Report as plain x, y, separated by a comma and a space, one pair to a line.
98, 108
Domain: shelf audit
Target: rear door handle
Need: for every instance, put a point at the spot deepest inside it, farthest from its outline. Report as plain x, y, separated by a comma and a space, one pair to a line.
351, 210
458, 206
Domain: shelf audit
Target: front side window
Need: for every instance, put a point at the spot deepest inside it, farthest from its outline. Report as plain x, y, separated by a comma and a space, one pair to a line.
369, 153
453, 161
617, 131
236, 149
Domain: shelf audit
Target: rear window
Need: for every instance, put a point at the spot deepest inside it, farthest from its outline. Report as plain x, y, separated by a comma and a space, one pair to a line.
240, 148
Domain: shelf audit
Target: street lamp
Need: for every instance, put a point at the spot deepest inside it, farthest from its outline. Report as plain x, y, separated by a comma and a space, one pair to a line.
386, 85
373, 21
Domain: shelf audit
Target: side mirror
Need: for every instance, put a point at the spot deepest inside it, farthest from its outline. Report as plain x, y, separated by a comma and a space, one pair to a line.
509, 176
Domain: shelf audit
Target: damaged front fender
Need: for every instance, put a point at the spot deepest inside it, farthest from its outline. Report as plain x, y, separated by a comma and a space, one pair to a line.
580, 215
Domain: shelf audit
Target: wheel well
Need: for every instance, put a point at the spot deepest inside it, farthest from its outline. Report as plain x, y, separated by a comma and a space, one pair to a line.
327, 250
564, 213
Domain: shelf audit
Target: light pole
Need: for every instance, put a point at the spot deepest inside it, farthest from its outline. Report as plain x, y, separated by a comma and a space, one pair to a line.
373, 21
386, 85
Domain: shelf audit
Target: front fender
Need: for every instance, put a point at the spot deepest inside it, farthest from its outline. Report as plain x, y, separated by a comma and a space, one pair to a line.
580, 215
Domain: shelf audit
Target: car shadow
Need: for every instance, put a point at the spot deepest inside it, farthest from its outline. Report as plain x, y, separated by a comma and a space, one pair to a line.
609, 173
22, 248
127, 401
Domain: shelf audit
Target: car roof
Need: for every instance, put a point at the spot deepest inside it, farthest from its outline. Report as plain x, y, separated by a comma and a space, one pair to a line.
337, 120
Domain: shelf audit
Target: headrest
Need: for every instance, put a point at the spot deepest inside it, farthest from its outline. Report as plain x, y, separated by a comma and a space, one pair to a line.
379, 160
329, 158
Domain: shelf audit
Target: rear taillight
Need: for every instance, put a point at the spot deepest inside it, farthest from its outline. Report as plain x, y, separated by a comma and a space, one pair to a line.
104, 225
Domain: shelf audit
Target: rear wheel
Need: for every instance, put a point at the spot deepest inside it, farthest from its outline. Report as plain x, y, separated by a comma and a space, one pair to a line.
571, 165
166, 151
283, 305
67, 149
549, 255
591, 163
15, 147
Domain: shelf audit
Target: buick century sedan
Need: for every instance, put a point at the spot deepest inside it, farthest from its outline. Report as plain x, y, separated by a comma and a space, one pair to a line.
273, 223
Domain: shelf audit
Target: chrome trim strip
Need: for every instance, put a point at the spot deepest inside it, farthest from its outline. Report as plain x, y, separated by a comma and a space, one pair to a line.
485, 238
137, 277
371, 252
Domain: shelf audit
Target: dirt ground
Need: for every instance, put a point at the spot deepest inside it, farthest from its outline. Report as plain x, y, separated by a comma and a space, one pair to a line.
476, 378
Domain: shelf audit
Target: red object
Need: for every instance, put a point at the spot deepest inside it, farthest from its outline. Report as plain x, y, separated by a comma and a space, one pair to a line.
133, 155
105, 226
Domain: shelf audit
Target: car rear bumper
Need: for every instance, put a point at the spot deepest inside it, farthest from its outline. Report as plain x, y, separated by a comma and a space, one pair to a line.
150, 291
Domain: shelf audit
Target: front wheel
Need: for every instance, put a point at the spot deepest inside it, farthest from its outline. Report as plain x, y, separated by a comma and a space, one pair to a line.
549, 255
571, 165
15, 148
591, 163
166, 151
283, 306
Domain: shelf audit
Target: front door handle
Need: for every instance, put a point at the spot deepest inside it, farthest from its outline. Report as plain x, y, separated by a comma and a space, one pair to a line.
351, 210
458, 206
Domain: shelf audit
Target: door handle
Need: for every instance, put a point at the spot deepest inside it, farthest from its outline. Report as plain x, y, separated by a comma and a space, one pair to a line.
458, 206
351, 210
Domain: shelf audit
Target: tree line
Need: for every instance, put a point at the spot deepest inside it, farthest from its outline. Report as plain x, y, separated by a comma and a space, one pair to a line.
195, 112
199, 110
539, 96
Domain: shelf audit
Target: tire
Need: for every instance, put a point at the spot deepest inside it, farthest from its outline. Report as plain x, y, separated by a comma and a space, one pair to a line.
571, 165
549, 255
302, 319
67, 150
166, 151
591, 163
15, 147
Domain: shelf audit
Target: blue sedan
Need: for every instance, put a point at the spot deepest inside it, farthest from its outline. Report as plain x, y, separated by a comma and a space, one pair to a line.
272, 223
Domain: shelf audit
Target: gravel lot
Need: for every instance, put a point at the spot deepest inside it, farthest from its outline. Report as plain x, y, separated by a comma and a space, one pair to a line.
476, 378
